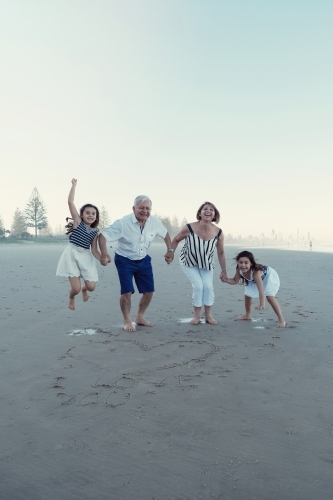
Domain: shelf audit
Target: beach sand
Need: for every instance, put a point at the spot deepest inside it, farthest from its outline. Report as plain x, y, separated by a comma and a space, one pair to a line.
236, 411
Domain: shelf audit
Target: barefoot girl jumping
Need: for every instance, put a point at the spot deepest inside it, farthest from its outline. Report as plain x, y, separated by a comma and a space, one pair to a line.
77, 259
259, 281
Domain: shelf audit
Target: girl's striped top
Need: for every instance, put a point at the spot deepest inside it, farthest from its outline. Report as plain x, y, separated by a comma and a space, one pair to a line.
198, 252
82, 236
251, 279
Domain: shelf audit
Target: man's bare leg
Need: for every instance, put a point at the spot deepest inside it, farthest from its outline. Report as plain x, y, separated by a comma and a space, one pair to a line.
248, 303
89, 285
208, 315
143, 304
75, 283
196, 316
125, 306
277, 309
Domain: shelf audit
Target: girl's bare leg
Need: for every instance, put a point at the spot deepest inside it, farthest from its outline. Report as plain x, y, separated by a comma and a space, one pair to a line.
248, 304
196, 316
88, 285
277, 309
208, 315
75, 283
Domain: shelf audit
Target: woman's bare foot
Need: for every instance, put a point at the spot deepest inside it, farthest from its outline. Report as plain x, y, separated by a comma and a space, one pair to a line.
71, 303
195, 320
244, 317
142, 321
129, 327
84, 294
211, 320
281, 324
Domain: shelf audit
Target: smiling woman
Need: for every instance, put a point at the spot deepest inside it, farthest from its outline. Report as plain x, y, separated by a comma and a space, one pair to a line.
197, 258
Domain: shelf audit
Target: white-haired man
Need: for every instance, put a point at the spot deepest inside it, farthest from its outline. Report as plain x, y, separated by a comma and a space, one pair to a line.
134, 234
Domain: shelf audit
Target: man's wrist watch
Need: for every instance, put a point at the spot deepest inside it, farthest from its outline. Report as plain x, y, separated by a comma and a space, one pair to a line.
171, 250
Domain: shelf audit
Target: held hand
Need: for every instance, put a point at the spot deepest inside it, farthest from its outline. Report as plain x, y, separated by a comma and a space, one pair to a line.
223, 276
168, 257
105, 259
260, 307
74, 182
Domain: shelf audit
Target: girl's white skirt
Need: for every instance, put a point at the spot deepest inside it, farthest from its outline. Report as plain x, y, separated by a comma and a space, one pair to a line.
77, 261
271, 284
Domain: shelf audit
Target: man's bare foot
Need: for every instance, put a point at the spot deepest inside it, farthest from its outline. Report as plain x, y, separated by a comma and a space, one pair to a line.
244, 317
281, 324
143, 322
211, 320
71, 303
129, 327
84, 294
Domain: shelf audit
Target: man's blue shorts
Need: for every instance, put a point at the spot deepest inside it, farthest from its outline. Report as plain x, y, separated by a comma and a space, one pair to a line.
140, 270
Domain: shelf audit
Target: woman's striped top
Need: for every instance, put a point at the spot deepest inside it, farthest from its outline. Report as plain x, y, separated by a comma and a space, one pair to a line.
198, 252
82, 236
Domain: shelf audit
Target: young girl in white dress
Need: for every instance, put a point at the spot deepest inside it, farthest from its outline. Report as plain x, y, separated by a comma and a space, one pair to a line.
77, 260
259, 281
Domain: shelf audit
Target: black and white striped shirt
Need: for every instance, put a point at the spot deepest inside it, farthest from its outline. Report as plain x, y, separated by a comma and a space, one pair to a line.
82, 236
198, 252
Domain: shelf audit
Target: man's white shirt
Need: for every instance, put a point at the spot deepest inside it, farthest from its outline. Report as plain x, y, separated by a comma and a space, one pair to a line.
132, 240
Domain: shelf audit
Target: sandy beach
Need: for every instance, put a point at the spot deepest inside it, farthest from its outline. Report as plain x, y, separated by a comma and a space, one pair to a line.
236, 411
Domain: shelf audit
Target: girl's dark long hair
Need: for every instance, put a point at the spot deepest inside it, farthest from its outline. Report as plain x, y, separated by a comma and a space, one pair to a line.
70, 222
255, 266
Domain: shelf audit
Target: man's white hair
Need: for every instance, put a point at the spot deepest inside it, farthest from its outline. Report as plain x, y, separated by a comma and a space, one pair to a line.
141, 198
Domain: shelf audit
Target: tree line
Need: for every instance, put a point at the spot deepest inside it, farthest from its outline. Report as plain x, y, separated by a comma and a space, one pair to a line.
34, 216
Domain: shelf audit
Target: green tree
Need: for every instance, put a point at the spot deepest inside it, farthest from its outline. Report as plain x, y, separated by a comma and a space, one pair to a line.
19, 224
25, 235
35, 212
3, 231
104, 218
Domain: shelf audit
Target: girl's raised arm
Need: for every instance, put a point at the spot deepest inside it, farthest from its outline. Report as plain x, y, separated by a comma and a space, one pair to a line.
72, 208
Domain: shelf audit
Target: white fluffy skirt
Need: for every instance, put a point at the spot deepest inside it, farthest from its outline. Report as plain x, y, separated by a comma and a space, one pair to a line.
271, 284
77, 261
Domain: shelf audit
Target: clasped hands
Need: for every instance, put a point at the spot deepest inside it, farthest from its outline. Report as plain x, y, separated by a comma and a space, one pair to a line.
168, 257
105, 259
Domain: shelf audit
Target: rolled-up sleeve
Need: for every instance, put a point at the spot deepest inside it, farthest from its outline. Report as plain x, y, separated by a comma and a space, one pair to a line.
113, 232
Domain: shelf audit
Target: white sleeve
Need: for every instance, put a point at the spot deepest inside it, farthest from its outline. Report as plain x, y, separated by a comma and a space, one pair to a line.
113, 232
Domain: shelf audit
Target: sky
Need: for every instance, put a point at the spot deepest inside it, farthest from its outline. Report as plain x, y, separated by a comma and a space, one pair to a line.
184, 101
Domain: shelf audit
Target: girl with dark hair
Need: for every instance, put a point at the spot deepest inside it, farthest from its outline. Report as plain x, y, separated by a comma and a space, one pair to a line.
259, 281
77, 259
